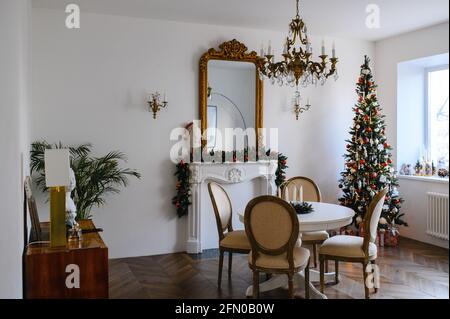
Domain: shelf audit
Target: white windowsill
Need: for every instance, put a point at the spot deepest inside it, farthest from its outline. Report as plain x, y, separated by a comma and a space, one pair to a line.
429, 179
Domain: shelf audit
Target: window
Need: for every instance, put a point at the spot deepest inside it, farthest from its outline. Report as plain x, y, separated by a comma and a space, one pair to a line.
437, 115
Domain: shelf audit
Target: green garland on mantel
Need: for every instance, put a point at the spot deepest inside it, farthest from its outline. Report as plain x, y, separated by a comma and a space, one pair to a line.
182, 199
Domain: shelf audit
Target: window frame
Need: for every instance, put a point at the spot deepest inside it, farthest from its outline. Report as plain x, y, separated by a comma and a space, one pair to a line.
427, 111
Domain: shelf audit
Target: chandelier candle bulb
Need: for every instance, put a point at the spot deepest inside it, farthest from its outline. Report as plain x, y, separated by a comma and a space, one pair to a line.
323, 47
334, 50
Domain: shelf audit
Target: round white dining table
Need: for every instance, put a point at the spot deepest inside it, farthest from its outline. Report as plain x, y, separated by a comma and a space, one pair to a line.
324, 217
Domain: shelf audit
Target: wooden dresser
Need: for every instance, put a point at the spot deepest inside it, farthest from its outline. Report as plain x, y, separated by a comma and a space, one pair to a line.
79, 270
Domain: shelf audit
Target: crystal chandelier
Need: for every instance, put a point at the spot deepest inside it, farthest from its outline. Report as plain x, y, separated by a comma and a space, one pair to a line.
297, 68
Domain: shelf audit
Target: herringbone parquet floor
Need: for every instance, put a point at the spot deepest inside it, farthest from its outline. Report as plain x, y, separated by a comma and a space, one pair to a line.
411, 271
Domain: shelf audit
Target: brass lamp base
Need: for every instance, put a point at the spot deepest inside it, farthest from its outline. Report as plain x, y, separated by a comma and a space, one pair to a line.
58, 217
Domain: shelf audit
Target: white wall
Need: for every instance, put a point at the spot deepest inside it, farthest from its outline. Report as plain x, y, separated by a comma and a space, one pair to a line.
390, 52
415, 206
90, 86
14, 81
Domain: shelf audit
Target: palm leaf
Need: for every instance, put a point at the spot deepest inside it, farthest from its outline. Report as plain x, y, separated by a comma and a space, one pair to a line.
95, 177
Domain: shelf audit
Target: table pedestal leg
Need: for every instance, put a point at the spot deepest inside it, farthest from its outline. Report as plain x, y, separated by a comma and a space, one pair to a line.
281, 281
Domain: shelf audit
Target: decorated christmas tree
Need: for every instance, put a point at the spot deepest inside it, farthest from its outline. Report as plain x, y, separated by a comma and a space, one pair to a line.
369, 166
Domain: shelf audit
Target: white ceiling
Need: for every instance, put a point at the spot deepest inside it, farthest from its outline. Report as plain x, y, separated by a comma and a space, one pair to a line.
337, 18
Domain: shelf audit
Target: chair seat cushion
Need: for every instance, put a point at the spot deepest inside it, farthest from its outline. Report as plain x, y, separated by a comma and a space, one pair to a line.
315, 236
301, 257
347, 246
236, 240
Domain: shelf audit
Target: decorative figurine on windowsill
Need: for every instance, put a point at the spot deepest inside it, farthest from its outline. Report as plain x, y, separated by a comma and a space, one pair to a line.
406, 169
71, 210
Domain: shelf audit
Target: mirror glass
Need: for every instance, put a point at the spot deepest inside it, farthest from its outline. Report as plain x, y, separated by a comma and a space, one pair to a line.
231, 102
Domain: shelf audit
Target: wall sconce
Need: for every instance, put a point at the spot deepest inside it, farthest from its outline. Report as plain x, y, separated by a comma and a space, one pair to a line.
298, 108
155, 104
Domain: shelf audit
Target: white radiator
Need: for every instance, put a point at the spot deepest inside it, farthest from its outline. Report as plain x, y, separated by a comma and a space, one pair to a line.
437, 215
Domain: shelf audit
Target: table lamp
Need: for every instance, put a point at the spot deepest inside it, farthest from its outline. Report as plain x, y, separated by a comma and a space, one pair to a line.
57, 177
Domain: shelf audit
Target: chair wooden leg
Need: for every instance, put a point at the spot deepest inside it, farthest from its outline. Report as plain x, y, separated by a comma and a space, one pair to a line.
307, 281
255, 284
268, 276
375, 287
219, 280
336, 272
291, 285
230, 263
366, 289
322, 274
326, 266
315, 255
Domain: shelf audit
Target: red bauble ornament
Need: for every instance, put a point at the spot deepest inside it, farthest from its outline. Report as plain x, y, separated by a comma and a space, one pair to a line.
374, 175
374, 186
389, 161
362, 162
369, 129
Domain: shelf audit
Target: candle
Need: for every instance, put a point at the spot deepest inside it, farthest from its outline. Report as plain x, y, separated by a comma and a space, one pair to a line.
294, 194
301, 194
286, 194
334, 50
262, 53
270, 48
323, 47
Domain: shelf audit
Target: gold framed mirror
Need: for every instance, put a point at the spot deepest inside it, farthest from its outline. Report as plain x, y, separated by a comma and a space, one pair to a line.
230, 92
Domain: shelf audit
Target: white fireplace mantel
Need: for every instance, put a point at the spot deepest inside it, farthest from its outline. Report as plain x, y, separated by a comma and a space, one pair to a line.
223, 173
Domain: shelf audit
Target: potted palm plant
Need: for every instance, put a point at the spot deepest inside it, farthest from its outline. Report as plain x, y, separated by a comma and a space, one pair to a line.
95, 176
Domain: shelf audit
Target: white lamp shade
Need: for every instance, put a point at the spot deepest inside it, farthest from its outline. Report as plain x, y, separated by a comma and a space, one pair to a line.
57, 167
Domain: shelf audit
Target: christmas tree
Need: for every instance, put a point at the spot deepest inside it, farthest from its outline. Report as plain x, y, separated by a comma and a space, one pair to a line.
369, 166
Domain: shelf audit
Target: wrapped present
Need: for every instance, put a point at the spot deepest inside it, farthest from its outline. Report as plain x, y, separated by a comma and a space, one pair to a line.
348, 230
391, 236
